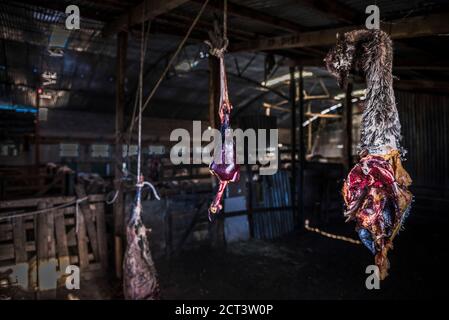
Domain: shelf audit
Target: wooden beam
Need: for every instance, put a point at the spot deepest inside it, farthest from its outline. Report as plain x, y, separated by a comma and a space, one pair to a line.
255, 15
122, 44
333, 9
301, 151
422, 86
399, 63
420, 26
152, 8
293, 126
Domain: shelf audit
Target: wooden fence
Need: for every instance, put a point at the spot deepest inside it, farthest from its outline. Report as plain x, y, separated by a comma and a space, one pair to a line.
51, 239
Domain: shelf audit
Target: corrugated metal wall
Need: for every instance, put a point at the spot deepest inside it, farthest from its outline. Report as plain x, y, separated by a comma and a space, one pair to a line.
425, 129
272, 192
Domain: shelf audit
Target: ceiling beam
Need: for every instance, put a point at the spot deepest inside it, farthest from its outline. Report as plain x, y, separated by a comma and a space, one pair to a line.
399, 63
255, 15
420, 26
152, 8
333, 9
422, 86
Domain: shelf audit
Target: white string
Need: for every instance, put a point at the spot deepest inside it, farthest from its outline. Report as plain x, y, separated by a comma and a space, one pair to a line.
146, 183
77, 213
113, 198
46, 210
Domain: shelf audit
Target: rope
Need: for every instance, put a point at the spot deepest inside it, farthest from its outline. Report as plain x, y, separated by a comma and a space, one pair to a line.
136, 100
330, 235
218, 45
139, 132
225, 20
15, 214
146, 183
140, 183
175, 55
113, 198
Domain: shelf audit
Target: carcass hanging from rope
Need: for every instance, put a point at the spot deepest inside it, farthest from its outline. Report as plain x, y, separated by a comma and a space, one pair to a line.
376, 190
139, 273
140, 281
226, 169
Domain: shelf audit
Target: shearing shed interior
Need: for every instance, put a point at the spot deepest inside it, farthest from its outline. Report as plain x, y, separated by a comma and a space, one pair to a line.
223, 149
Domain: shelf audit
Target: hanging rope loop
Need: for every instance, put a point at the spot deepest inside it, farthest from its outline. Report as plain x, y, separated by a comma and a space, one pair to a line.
218, 41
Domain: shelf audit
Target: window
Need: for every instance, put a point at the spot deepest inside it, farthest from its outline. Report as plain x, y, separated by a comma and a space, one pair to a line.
158, 150
132, 150
69, 150
9, 150
100, 151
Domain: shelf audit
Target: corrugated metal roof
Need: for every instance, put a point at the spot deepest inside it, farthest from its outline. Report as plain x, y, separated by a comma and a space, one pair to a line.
86, 74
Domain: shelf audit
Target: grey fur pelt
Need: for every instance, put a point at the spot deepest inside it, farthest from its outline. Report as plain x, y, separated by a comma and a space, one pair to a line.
369, 53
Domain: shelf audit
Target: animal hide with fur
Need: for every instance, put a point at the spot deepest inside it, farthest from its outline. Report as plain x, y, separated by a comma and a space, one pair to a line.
376, 190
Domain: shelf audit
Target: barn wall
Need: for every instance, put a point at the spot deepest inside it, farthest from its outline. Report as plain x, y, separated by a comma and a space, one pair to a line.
425, 129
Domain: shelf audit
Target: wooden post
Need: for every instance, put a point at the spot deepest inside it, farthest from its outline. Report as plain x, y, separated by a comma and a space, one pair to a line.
89, 217
301, 151
293, 141
46, 253
101, 232
61, 241
21, 256
122, 44
347, 128
81, 236
37, 149
249, 200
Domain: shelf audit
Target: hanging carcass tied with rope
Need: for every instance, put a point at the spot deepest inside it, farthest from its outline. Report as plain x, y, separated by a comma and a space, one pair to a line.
140, 281
224, 168
376, 191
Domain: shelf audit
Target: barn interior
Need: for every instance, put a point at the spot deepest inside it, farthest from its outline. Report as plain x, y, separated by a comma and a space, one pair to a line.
69, 147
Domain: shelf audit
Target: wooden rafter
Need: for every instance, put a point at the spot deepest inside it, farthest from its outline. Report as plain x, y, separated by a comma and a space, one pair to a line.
333, 9
255, 15
420, 26
152, 8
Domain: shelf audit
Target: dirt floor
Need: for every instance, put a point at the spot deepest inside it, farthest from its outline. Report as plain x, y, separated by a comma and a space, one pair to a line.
308, 266
300, 266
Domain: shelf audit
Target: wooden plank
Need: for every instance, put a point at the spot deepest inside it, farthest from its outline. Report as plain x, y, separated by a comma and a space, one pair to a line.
7, 250
118, 208
61, 243
419, 26
89, 217
33, 202
83, 251
19, 240
102, 236
7, 236
151, 8
46, 262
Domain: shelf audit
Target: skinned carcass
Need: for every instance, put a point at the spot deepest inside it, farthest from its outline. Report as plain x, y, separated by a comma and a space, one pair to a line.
140, 281
376, 191
225, 169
